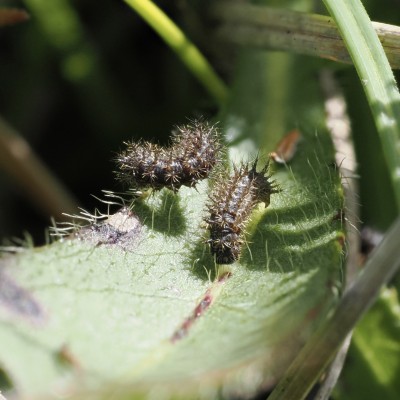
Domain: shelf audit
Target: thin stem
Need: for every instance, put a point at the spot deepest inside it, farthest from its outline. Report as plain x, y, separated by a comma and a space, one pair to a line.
42, 187
316, 35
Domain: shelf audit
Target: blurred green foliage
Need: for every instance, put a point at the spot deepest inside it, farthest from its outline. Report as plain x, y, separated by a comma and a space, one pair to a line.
77, 79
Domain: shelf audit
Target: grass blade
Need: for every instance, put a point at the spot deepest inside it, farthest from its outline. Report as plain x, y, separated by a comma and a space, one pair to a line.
376, 76
182, 46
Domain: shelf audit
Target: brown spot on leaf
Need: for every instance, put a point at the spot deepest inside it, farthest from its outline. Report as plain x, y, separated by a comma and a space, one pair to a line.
19, 301
223, 277
65, 356
201, 307
121, 229
199, 310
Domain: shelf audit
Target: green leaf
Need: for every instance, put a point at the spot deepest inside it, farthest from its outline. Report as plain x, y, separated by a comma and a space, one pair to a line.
124, 311
138, 307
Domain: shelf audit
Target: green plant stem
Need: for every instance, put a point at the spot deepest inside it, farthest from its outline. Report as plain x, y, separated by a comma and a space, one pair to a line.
252, 25
376, 76
183, 47
322, 347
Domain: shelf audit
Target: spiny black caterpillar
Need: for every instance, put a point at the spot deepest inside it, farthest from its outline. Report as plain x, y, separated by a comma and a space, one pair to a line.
194, 151
230, 205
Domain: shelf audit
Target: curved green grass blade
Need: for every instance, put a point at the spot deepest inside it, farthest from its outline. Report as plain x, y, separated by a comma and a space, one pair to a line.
376, 77
182, 46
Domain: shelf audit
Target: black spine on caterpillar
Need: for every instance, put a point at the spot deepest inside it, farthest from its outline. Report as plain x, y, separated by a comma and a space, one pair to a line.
194, 151
230, 205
